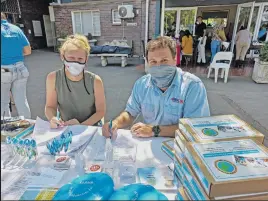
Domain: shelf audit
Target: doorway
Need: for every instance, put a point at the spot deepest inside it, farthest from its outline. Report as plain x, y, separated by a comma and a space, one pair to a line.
253, 16
48, 30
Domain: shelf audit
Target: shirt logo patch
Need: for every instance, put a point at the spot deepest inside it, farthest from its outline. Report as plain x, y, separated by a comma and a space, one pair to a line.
176, 100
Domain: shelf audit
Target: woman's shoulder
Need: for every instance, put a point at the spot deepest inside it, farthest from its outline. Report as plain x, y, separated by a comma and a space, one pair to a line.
91, 75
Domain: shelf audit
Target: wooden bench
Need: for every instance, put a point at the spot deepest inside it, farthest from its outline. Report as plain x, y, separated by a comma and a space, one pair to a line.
119, 43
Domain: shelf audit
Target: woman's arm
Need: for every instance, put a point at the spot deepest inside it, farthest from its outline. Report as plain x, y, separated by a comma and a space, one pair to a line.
100, 103
183, 42
51, 96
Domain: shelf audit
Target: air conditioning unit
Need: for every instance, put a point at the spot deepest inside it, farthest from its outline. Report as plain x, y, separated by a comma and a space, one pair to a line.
125, 11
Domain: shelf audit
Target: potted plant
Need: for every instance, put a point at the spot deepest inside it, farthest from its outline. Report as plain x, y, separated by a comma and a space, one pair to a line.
260, 71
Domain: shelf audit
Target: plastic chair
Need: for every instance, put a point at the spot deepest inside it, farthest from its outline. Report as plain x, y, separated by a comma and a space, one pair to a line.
220, 61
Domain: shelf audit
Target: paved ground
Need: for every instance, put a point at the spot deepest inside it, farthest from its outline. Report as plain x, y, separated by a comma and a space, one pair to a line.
240, 96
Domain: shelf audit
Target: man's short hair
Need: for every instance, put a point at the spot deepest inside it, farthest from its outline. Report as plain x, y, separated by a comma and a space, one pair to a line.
3, 16
161, 42
199, 17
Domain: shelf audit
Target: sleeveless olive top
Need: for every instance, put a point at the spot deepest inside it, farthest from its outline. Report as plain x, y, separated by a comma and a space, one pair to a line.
77, 104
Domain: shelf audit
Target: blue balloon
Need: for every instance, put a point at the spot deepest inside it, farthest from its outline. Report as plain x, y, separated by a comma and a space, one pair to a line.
94, 186
137, 192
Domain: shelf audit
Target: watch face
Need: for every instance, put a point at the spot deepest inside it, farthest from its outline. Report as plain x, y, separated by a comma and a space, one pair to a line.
156, 130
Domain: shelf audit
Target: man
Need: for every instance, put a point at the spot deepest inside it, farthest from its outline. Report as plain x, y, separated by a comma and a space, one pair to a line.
163, 96
200, 27
14, 74
200, 32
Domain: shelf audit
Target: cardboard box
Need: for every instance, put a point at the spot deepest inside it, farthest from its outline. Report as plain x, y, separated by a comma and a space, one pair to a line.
168, 147
182, 195
178, 152
229, 168
218, 128
192, 184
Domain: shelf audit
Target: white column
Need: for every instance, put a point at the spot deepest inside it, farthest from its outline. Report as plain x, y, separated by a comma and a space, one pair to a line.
163, 16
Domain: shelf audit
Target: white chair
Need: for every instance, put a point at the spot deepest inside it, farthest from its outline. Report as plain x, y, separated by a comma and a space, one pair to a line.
218, 63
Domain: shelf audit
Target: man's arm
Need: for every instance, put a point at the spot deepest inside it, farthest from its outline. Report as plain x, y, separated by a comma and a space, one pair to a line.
123, 120
196, 101
168, 131
27, 50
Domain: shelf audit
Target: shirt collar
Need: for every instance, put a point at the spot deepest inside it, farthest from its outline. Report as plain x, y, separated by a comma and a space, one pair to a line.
176, 79
3, 21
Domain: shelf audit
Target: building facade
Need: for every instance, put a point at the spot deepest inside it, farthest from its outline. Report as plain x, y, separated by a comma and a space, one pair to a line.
29, 16
101, 20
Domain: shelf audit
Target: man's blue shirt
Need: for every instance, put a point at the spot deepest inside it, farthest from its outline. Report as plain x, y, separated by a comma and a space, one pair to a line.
13, 41
186, 97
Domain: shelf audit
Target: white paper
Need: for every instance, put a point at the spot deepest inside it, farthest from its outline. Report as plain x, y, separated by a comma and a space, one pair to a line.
82, 135
45, 177
15, 187
43, 133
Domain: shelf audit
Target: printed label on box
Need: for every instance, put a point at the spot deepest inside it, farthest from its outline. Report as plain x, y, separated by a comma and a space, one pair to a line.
220, 127
233, 160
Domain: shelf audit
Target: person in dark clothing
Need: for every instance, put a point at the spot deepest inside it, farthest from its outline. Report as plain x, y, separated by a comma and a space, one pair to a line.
200, 27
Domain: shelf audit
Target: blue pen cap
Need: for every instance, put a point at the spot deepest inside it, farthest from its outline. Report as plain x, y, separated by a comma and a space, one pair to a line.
14, 141
27, 142
21, 142
33, 143
8, 140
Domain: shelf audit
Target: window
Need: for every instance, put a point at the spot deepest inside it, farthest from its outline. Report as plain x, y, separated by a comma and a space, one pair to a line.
85, 22
115, 17
37, 28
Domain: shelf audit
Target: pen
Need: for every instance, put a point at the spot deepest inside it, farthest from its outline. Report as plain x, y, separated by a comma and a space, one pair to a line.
110, 128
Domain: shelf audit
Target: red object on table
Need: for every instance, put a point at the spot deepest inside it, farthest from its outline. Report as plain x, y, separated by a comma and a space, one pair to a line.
178, 55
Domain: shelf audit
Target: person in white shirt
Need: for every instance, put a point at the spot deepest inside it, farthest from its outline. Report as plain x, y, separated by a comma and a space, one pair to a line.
242, 41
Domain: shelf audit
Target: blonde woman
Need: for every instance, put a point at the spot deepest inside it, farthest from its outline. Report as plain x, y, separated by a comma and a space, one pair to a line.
215, 42
77, 94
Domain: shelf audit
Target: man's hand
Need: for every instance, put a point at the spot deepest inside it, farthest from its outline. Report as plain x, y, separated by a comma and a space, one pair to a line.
142, 130
72, 122
55, 122
107, 131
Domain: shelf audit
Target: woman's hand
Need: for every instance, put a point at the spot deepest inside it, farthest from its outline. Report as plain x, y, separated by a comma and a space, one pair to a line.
55, 122
72, 122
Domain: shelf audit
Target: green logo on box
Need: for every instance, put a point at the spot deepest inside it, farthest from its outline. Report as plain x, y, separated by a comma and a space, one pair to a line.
210, 132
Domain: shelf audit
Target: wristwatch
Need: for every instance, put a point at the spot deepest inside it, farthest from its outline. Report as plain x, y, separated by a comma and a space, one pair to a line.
156, 131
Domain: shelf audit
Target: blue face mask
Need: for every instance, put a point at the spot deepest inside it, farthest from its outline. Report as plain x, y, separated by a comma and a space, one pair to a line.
163, 75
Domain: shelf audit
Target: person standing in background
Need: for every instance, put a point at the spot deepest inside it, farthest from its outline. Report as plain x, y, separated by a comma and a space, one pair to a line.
200, 27
215, 42
222, 33
200, 32
242, 41
14, 74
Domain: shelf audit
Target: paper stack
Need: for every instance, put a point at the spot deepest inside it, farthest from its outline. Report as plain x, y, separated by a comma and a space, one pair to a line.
220, 158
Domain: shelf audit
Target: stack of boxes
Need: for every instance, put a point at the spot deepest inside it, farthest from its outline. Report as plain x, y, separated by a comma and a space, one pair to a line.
220, 158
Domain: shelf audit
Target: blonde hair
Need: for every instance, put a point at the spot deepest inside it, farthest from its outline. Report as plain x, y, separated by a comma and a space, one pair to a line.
161, 42
77, 40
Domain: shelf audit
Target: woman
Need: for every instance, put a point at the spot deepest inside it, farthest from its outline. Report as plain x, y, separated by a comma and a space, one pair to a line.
215, 42
187, 43
222, 33
242, 41
76, 93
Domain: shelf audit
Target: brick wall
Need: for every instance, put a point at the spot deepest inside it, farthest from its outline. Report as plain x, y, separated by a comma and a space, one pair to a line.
109, 31
34, 10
